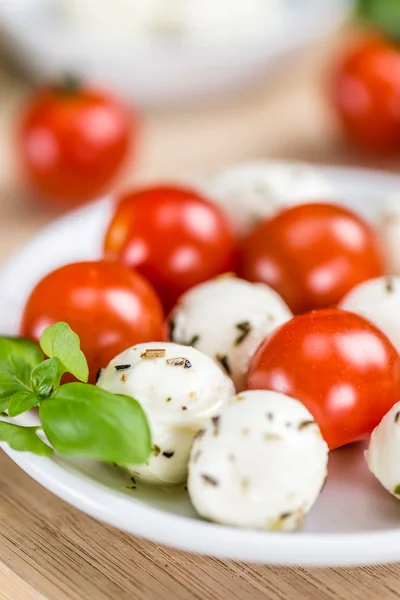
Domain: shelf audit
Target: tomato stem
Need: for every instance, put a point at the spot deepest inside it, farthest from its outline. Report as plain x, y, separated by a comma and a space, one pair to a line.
70, 84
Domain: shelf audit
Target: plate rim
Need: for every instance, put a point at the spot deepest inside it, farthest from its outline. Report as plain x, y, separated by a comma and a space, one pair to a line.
185, 533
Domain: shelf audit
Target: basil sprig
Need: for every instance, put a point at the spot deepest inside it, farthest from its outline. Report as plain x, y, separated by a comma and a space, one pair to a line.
78, 419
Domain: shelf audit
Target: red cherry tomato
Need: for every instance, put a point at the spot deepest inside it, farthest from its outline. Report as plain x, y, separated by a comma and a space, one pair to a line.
367, 94
173, 237
109, 306
73, 142
312, 254
344, 369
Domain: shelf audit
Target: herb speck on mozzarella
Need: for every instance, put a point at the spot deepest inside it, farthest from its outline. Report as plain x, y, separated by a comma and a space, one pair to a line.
228, 318
178, 400
258, 472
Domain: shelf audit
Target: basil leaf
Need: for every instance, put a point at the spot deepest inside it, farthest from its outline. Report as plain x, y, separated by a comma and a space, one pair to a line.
61, 342
9, 385
24, 439
21, 402
4, 404
84, 420
19, 356
44, 376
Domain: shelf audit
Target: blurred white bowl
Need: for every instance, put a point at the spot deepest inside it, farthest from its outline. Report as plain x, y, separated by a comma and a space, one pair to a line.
160, 71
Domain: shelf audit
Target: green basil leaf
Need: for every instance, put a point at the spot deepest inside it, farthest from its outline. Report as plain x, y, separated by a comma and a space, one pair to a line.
84, 420
4, 404
24, 439
19, 356
9, 384
44, 376
61, 342
21, 402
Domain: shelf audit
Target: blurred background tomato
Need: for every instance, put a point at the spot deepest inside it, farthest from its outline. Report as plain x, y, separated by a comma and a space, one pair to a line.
101, 98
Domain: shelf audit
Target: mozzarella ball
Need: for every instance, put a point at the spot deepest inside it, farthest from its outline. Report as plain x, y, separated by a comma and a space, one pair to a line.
377, 300
260, 463
252, 192
383, 451
179, 388
227, 318
389, 230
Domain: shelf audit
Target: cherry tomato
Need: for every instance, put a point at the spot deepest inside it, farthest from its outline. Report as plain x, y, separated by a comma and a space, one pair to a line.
109, 306
367, 94
343, 368
312, 254
74, 141
174, 237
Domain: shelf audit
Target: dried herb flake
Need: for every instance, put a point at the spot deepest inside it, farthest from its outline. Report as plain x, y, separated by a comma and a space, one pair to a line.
151, 354
285, 515
168, 454
245, 329
215, 421
210, 480
194, 340
305, 424
179, 361
272, 437
389, 286
245, 485
224, 362
171, 328
156, 450
196, 456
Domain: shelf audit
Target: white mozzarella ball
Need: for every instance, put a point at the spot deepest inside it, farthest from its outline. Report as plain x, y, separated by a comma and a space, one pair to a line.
383, 451
179, 388
227, 318
260, 463
252, 192
377, 300
389, 230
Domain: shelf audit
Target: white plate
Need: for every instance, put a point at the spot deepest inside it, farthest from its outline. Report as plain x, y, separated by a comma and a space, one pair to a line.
160, 73
353, 522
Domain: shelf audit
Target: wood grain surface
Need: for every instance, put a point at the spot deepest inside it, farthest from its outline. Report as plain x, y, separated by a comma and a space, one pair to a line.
50, 551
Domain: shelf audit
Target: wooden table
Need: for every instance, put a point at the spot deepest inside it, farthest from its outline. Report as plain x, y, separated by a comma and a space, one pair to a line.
50, 551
